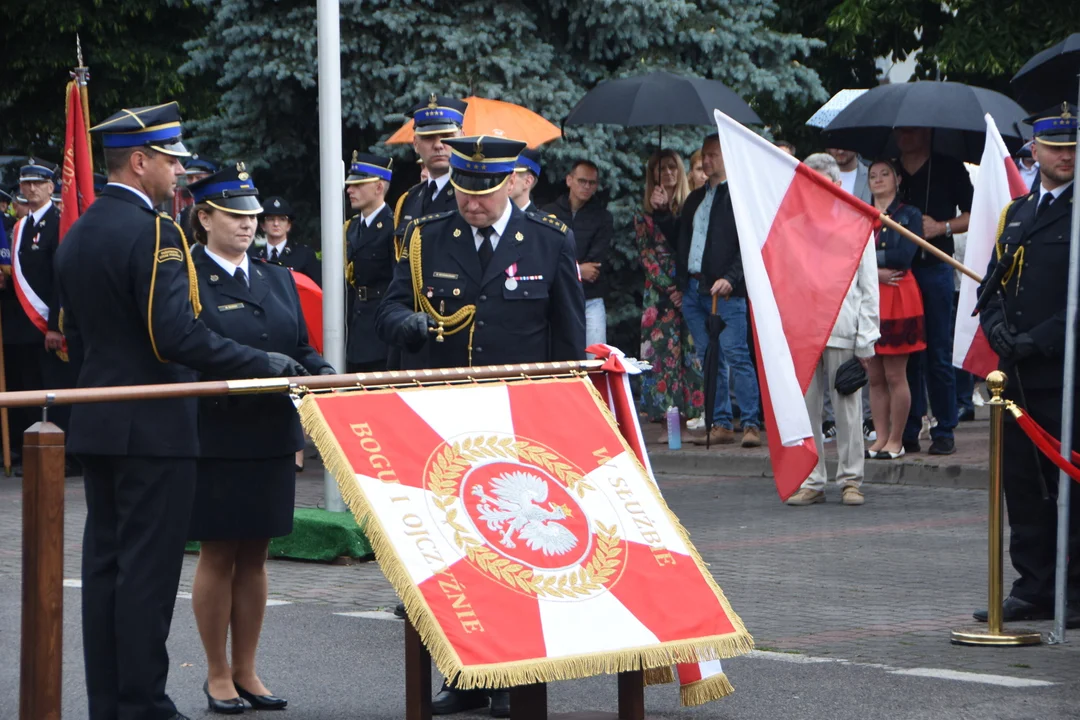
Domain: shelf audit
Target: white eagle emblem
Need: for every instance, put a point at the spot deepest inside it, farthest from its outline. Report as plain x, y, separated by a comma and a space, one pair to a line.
516, 508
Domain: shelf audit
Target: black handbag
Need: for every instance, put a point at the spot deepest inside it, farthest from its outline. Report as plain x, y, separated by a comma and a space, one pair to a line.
850, 377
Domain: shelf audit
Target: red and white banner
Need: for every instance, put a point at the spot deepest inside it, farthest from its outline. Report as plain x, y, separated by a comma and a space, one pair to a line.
35, 308
78, 170
524, 536
801, 238
996, 184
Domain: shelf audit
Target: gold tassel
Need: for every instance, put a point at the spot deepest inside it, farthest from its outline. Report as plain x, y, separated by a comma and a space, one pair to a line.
659, 676
706, 690
451, 324
510, 674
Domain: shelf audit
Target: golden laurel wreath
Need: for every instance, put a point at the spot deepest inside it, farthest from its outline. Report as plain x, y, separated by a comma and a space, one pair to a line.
446, 469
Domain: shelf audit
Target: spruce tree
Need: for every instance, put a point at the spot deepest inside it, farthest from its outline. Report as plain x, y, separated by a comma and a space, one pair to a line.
543, 54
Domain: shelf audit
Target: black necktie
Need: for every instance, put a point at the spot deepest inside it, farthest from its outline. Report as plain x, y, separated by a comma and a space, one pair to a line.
428, 196
273, 255
1044, 203
241, 276
486, 249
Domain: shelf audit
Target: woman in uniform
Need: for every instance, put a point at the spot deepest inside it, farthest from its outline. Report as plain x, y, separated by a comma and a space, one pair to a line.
246, 475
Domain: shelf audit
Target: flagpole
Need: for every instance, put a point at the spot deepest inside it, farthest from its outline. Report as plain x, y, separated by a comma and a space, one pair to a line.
936, 252
82, 77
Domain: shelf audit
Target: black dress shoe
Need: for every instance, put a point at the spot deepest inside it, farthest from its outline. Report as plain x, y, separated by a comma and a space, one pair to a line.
942, 446
966, 415
1013, 609
451, 700
232, 706
500, 703
262, 702
912, 446
399, 611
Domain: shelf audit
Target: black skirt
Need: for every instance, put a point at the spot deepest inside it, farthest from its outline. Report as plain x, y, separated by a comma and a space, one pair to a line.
243, 499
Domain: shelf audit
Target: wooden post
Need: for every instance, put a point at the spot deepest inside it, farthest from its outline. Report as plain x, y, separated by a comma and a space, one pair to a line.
632, 695
43, 572
529, 702
417, 676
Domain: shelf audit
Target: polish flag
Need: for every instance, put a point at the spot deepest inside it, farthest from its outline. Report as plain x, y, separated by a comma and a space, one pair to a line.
802, 239
997, 183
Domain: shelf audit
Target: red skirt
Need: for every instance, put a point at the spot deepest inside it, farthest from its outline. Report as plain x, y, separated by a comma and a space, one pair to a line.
902, 328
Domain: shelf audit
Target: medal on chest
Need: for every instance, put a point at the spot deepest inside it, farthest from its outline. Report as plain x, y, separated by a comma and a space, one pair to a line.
511, 281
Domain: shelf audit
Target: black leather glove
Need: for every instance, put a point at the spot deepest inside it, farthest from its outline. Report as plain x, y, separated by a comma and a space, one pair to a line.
327, 370
282, 365
1002, 341
1024, 347
413, 333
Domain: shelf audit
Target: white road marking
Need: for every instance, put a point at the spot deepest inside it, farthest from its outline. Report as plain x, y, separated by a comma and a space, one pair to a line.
937, 673
1002, 680
371, 615
77, 583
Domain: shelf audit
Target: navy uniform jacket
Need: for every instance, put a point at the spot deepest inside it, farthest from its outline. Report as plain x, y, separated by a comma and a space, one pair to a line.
36, 260
265, 315
410, 206
299, 257
369, 262
539, 320
126, 299
1037, 289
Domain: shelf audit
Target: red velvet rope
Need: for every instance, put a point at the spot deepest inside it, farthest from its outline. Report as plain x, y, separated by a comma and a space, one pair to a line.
1049, 445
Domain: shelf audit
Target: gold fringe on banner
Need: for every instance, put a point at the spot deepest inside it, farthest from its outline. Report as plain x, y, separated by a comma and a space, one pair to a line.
659, 676
706, 690
657, 658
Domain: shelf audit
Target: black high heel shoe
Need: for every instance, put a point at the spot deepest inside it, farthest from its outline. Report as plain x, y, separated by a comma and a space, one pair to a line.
232, 706
262, 702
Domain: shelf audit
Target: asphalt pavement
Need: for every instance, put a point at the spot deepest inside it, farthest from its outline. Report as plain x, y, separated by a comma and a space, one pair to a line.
851, 607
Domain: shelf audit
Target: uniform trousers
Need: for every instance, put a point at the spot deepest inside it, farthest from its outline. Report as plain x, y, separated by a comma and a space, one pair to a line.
847, 410
1033, 519
137, 513
29, 366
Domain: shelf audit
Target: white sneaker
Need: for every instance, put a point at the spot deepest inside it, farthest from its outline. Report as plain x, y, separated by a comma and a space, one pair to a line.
977, 398
695, 424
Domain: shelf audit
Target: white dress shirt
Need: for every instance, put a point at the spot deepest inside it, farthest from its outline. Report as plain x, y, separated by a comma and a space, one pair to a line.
499, 226
140, 193
440, 184
366, 219
280, 247
229, 266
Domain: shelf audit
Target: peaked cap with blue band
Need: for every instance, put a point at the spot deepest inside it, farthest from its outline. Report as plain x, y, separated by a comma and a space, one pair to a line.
36, 171
529, 160
230, 190
367, 168
481, 164
1054, 126
157, 127
438, 115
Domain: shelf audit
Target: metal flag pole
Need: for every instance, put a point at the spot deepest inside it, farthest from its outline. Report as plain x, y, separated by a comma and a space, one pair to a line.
1069, 387
333, 256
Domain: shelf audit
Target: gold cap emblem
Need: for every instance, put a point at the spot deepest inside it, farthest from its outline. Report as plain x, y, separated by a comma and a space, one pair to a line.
433, 102
240, 168
478, 151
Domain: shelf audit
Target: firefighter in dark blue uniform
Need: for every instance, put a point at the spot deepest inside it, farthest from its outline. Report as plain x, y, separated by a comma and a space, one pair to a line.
277, 221
485, 284
130, 300
528, 174
369, 258
1025, 325
434, 121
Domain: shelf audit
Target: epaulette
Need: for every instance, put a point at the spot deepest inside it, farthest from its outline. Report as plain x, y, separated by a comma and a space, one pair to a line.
549, 220
424, 220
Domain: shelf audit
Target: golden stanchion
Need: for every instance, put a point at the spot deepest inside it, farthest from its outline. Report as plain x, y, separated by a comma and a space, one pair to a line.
992, 633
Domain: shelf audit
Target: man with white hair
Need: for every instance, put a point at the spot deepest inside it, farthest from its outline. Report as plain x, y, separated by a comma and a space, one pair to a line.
854, 334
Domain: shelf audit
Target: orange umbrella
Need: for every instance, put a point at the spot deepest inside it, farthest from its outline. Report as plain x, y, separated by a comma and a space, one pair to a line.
498, 118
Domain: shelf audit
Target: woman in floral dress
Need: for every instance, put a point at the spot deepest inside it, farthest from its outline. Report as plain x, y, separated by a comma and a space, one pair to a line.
675, 379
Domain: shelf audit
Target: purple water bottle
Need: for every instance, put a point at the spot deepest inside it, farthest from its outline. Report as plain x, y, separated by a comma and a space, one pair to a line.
674, 429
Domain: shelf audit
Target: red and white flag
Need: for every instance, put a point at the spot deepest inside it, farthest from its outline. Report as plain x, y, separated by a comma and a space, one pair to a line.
997, 183
523, 534
802, 239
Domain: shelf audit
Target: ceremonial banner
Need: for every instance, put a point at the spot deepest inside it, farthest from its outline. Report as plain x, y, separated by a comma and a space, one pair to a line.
78, 171
524, 536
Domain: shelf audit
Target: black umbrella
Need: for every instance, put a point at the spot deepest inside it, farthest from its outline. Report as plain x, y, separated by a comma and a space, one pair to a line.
714, 324
955, 111
1049, 78
659, 98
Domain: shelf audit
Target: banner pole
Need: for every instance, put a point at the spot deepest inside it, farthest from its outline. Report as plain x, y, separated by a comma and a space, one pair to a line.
993, 634
1067, 425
